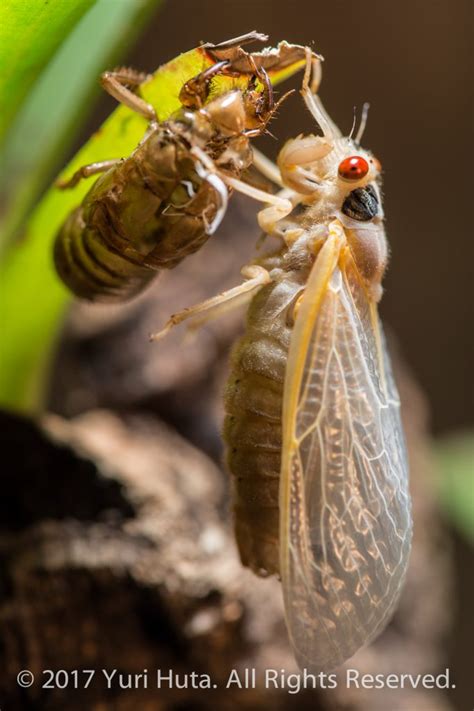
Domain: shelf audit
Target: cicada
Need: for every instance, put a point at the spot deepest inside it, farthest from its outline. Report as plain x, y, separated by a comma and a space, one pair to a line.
313, 431
149, 211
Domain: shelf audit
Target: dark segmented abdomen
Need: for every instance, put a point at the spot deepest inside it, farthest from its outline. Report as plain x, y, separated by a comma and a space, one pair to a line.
148, 212
252, 427
89, 266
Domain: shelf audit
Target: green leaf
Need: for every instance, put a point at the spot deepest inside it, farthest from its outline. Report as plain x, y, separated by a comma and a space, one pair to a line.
59, 102
455, 457
32, 300
30, 33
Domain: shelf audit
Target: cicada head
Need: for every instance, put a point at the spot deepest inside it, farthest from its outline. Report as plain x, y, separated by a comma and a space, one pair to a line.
356, 200
338, 179
334, 171
351, 189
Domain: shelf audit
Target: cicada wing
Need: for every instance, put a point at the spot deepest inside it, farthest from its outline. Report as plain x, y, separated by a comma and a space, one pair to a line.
345, 516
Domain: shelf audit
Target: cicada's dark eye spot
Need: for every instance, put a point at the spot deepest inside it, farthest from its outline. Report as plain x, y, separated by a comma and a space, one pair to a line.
353, 168
361, 204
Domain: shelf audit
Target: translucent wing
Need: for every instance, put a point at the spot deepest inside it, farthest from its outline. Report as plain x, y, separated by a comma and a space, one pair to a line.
345, 507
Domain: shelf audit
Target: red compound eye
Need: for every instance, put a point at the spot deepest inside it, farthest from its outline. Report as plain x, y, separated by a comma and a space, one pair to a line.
353, 168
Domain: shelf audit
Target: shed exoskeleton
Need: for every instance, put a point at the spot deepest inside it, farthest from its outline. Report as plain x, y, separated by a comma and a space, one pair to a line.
313, 432
149, 211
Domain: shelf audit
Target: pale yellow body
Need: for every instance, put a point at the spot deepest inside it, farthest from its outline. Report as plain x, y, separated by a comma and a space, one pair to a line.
314, 438
313, 431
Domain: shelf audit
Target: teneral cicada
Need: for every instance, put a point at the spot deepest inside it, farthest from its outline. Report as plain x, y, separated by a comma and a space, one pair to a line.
149, 211
313, 431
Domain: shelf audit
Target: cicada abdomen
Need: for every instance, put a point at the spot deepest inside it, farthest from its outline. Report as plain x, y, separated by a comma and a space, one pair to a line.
252, 428
154, 208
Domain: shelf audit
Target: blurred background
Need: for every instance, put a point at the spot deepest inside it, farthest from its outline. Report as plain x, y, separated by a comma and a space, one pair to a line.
412, 61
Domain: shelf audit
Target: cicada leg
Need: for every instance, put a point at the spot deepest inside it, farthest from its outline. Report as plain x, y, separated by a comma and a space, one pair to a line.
195, 91
279, 205
86, 171
116, 84
269, 216
282, 204
237, 41
311, 82
262, 104
255, 277
267, 167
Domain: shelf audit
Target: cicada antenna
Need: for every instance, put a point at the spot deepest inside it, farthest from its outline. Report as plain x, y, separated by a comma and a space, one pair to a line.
354, 121
195, 91
363, 122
